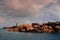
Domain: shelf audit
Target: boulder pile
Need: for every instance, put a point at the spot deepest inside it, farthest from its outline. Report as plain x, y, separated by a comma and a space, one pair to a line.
49, 27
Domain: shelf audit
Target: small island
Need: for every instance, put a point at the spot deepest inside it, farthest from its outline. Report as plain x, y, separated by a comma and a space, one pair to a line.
49, 27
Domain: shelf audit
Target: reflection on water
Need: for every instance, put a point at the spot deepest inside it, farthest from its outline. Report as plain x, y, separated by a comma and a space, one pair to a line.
5, 35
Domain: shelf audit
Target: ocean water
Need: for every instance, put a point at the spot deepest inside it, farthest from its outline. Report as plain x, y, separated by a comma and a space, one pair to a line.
5, 35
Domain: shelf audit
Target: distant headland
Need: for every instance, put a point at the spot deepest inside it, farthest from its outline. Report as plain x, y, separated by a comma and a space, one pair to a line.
49, 27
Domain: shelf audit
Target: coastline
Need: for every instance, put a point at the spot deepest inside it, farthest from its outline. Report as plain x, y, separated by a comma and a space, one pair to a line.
49, 27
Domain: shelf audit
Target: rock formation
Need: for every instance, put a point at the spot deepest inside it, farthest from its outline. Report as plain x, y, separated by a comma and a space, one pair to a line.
35, 27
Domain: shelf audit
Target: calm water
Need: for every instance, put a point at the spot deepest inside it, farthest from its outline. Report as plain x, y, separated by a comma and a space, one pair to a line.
5, 35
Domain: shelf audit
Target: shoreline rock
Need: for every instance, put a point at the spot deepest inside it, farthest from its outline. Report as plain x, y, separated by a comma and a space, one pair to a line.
49, 27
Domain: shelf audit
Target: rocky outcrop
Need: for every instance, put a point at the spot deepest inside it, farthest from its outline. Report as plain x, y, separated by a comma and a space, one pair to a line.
25, 27
35, 27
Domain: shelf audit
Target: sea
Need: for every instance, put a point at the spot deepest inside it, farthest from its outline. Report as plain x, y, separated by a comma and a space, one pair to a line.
5, 35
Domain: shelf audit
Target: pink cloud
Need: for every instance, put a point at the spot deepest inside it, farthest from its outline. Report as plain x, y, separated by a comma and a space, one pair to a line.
31, 7
28, 5
2, 20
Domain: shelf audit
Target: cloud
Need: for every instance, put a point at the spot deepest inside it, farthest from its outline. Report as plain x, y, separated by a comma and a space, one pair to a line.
25, 8
29, 5
2, 19
27, 21
25, 11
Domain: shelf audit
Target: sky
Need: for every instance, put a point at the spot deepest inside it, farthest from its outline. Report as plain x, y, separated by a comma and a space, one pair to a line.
28, 11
